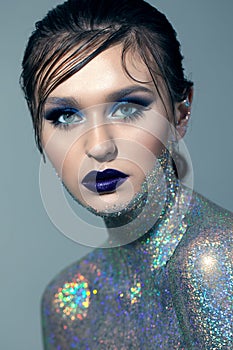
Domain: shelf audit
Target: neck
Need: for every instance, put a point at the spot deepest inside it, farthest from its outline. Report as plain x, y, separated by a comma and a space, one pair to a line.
153, 228
160, 242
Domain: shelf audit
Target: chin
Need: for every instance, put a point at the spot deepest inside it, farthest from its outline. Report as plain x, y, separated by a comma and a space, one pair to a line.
108, 203
115, 204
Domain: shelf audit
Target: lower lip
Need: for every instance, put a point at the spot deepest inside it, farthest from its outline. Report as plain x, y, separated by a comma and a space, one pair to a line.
107, 186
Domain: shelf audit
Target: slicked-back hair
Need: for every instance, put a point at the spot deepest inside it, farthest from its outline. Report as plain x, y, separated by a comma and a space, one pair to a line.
75, 32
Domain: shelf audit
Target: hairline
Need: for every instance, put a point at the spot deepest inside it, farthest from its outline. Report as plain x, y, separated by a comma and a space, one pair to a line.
128, 45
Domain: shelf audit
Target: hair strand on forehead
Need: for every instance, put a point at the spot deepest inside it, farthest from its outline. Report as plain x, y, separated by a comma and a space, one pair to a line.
75, 32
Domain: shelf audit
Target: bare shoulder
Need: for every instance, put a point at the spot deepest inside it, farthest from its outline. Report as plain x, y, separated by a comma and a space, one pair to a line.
202, 276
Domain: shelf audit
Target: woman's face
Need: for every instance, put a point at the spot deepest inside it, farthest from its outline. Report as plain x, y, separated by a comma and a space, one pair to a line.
104, 130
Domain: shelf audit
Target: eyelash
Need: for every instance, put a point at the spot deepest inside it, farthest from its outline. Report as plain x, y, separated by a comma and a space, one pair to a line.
138, 113
54, 115
140, 105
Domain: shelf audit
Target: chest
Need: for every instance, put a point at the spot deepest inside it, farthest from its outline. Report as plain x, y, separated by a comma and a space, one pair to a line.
126, 313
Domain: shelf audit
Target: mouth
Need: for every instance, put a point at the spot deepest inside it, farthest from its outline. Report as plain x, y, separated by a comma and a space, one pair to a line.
104, 181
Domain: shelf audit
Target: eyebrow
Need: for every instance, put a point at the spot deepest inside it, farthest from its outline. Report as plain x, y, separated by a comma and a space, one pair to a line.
115, 96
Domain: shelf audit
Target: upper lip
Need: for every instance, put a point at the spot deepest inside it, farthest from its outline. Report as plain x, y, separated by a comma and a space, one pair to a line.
95, 176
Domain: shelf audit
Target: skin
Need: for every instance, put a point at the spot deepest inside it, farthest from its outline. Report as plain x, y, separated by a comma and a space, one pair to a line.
100, 140
194, 287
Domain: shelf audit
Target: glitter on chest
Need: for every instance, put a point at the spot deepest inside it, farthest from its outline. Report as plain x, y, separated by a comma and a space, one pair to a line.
73, 299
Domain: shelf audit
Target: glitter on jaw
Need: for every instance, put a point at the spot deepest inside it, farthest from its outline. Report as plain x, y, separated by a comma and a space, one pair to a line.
157, 196
153, 178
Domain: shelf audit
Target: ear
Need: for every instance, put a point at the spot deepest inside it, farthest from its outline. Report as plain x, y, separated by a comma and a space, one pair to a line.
183, 113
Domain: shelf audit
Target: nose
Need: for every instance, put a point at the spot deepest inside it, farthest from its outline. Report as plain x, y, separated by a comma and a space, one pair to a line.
100, 145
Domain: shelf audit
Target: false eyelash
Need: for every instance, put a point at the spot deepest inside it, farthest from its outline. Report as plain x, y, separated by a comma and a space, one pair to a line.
134, 116
140, 101
140, 105
53, 116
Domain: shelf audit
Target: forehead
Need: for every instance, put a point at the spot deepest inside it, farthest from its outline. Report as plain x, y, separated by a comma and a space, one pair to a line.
104, 74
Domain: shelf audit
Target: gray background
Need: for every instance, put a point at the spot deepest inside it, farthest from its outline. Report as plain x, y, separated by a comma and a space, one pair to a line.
32, 249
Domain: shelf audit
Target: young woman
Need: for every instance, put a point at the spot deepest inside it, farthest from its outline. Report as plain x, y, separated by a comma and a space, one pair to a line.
109, 102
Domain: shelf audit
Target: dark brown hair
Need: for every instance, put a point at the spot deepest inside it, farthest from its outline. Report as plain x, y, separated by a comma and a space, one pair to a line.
75, 32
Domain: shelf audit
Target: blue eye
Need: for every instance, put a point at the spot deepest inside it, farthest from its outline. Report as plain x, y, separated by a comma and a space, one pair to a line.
125, 110
64, 117
128, 111
68, 118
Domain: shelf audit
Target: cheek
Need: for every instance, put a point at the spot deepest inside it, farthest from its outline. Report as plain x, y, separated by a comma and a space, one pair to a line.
64, 151
70, 170
73, 165
153, 132
149, 141
153, 144
53, 148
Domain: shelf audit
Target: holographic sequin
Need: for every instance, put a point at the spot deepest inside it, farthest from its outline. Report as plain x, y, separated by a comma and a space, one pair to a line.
209, 273
171, 289
135, 293
73, 299
164, 238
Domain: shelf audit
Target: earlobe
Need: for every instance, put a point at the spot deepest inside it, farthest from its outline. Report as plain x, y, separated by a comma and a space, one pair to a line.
183, 114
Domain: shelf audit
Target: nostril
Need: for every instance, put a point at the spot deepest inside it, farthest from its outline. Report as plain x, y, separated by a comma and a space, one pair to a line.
112, 155
104, 151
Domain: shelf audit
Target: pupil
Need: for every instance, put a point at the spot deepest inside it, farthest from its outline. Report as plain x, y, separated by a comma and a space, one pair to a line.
68, 117
127, 110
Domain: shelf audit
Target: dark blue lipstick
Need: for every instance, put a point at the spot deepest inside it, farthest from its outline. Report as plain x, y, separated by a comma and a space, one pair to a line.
104, 181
